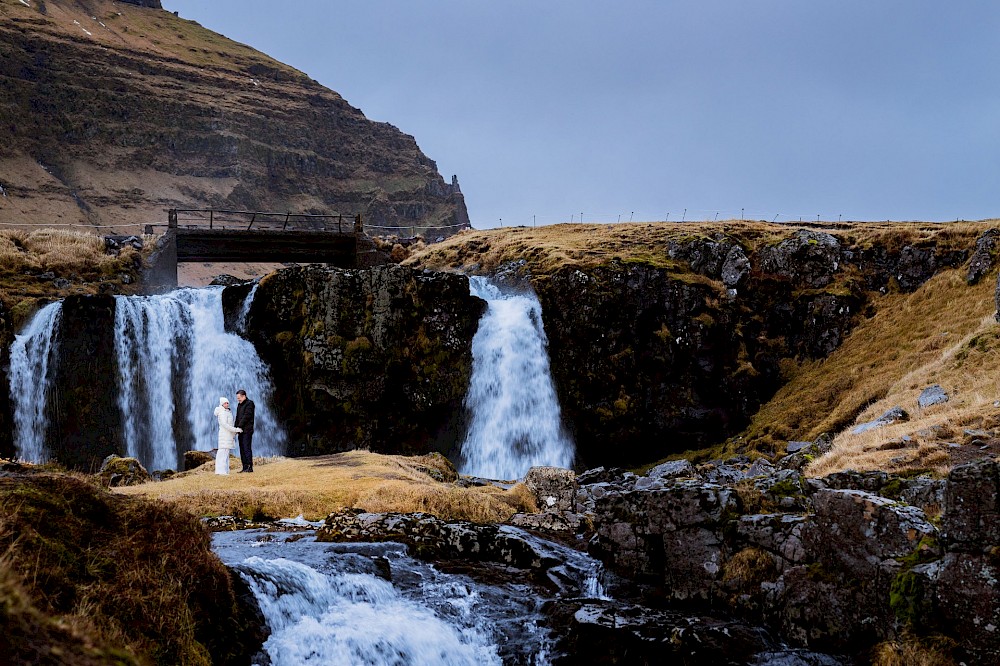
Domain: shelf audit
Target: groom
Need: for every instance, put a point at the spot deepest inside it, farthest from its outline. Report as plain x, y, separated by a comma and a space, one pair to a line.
244, 419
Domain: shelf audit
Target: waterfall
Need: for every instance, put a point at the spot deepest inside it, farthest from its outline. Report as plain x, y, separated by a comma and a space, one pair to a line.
244, 313
515, 420
33, 356
175, 359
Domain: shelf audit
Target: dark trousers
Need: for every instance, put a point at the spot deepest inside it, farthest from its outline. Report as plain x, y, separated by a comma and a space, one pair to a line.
246, 449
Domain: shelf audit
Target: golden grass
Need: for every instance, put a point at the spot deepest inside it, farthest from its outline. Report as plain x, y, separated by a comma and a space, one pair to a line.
941, 333
315, 487
911, 650
548, 248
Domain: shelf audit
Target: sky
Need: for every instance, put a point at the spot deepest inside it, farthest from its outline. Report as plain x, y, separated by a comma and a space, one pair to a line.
549, 110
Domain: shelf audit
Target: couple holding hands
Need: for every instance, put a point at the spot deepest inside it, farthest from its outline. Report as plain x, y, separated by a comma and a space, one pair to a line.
230, 427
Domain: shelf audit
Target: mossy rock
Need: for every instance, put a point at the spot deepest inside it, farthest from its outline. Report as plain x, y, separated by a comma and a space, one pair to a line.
194, 459
118, 471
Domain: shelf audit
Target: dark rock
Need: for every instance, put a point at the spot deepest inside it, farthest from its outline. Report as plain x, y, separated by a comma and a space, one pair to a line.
667, 534
809, 258
61, 283
607, 632
673, 469
968, 603
599, 475
194, 459
971, 519
117, 471
226, 280
735, 268
349, 347
984, 256
916, 266
779, 534
932, 395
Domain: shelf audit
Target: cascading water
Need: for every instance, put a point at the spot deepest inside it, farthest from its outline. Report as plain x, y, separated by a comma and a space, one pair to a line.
32, 364
175, 359
244, 313
515, 420
374, 605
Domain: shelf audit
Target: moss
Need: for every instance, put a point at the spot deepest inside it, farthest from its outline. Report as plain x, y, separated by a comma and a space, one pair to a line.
785, 488
909, 599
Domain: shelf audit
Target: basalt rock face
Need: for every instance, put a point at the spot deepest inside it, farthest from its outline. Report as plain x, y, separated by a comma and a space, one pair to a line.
649, 360
376, 358
836, 564
113, 112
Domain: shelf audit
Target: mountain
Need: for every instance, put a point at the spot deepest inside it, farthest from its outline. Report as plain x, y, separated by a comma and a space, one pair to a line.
111, 112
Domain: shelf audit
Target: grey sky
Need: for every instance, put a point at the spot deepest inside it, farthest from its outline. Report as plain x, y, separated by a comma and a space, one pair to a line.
870, 110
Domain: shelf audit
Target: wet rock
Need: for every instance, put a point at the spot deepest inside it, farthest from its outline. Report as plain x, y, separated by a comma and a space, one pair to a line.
618, 633
226, 280
889, 417
599, 475
932, 395
433, 538
984, 256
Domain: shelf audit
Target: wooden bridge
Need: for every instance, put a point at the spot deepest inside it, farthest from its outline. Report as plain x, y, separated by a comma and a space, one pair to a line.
211, 235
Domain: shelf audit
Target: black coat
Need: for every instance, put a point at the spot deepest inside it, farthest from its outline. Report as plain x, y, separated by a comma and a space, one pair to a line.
244, 415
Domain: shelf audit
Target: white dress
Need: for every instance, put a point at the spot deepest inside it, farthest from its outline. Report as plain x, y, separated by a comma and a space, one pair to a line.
227, 435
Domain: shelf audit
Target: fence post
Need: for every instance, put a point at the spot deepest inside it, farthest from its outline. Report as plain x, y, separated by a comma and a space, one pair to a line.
252, 218
358, 225
211, 217
172, 218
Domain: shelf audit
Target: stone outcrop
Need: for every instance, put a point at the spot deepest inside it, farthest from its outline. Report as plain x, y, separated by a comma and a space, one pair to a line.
376, 358
649, 360
850, 561
115, 115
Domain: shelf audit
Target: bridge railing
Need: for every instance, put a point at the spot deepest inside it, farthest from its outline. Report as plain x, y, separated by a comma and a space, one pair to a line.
246, 220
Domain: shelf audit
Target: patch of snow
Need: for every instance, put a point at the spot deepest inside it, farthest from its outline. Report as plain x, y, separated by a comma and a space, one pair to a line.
89, 33
25, 3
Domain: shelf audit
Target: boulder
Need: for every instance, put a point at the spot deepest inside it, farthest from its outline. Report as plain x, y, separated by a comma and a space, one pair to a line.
673, 469
984, 256
808, 258
118, 471
890, 416
968, 603
932, 395
193, 459
554, 488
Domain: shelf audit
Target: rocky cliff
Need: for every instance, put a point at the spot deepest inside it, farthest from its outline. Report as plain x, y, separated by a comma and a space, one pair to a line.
665, 338
376, 358
112, 112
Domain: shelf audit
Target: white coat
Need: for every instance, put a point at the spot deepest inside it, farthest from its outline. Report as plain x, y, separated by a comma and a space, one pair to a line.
227, 433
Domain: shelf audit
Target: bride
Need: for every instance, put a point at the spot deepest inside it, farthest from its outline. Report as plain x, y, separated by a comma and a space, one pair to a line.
227, 435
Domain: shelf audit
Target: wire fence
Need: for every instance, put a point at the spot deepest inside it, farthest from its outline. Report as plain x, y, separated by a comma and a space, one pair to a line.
682, 215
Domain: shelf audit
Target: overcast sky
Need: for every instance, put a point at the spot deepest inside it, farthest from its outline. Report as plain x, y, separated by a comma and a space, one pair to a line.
642, 108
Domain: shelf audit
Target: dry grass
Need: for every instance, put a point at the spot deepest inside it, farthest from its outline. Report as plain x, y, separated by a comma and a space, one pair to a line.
942, 333
315, 487
78, 257
549, 248
911, 650
111, 577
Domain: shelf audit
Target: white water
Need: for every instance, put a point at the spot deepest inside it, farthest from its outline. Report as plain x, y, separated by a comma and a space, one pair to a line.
32, 366
244, 313
515, 420
175, 359
354, 618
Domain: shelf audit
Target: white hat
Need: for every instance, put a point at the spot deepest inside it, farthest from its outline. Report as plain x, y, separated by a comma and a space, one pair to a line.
223, 400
